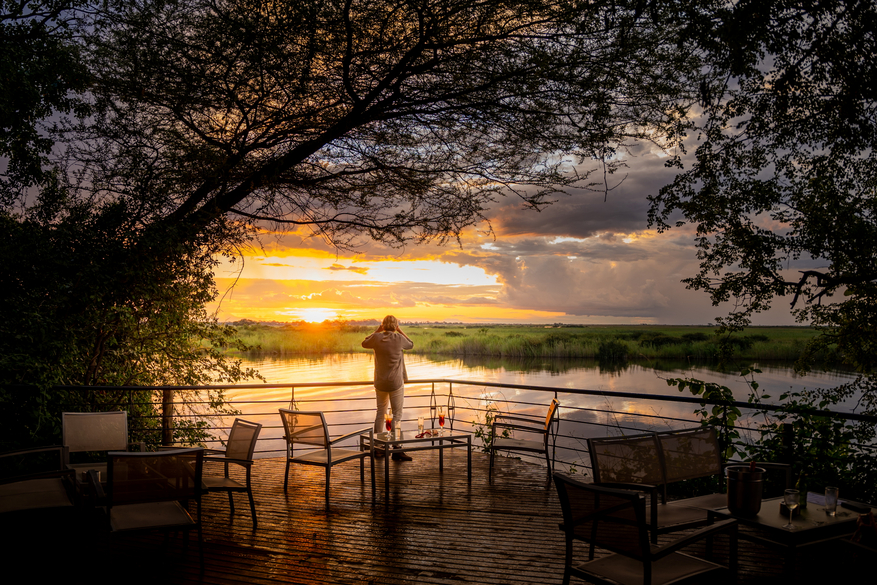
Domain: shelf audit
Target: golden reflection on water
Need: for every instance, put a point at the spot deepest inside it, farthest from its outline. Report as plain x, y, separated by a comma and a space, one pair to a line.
353, 406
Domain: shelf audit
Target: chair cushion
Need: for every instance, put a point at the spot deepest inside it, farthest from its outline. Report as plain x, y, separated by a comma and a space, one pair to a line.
321, 457
33, 494
627, 571
152, 515
518, 445
221, 483
670, 515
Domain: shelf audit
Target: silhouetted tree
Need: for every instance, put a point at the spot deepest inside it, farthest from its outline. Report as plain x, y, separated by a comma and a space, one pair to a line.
397, 119
786, 169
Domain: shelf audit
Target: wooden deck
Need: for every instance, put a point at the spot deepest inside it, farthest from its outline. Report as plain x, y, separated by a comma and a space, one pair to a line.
435, 529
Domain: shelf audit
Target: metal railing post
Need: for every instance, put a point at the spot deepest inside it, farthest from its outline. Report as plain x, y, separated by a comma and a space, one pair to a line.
167, 416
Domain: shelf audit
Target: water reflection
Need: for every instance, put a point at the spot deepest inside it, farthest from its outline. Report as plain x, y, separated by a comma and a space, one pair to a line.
649, 378
353, 406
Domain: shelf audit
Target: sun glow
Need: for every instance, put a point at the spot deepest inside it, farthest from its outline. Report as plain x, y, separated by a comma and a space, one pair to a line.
313, 315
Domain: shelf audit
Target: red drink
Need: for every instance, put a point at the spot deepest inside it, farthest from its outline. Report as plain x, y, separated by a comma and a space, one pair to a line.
441, 420
388, 422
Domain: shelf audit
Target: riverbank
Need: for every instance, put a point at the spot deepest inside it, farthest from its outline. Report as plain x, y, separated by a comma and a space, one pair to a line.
602, 342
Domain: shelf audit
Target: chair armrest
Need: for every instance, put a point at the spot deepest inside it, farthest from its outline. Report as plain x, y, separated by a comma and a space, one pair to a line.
729, 526
244, 462
522, 418
636, 487
61, 450
94, 484
348, 435
31, 450
519, 427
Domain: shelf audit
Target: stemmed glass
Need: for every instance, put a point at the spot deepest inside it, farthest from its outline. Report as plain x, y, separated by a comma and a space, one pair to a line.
441, 415
388, 423
791, 498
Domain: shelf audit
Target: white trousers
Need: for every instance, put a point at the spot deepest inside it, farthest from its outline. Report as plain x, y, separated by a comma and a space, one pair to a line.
395, 400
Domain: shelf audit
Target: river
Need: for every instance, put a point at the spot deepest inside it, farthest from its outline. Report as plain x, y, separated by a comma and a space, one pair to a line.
356, 403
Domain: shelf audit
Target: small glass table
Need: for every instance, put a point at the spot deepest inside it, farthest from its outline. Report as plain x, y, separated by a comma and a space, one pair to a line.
812, 526
408, 443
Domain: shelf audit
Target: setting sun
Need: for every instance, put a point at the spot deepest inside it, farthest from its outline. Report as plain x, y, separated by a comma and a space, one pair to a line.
313, 315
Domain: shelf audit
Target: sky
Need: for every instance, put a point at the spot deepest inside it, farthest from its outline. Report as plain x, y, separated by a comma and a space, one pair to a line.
581, 260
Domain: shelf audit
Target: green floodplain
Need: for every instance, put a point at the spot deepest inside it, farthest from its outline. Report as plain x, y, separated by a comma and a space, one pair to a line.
602, 342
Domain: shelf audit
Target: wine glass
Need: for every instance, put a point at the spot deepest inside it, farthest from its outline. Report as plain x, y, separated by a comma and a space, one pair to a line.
441, 415
388, 423
791, 498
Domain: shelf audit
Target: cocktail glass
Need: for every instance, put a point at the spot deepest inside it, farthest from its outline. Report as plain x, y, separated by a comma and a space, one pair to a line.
791, 498
441, 415
388, 423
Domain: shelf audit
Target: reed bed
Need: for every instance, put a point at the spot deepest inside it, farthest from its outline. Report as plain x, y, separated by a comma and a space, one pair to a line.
612, 343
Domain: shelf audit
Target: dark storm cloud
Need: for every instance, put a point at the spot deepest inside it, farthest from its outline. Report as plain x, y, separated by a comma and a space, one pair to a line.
583, 213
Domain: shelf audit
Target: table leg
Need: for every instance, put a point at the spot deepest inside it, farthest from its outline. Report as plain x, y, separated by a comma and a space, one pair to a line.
789, 564
361, 460
710, 519
387, 475
469, 457
441, 456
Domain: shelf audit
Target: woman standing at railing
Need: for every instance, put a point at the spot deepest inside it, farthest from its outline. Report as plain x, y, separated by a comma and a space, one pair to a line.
388, 343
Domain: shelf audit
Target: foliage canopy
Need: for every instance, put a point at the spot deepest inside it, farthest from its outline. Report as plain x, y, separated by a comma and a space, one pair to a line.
396, 119
786, 169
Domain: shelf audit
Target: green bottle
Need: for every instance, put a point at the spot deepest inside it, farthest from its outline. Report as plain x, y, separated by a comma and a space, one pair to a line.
801, 486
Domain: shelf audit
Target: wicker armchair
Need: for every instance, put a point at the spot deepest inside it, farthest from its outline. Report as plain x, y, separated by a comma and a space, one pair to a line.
615, 520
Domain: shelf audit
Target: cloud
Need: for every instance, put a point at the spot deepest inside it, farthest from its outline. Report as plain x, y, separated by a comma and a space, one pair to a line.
584, 258
356, 269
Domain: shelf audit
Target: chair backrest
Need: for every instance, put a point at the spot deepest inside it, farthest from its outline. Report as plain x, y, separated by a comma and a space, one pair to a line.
552, 411
305, 427
163, 476
690, 453
631, 459
94, 431
608, 518
241, 441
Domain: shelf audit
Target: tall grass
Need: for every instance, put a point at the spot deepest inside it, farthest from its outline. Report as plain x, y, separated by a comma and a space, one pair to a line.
523, 342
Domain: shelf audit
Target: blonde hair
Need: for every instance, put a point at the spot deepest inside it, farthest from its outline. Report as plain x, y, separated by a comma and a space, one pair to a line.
390, 323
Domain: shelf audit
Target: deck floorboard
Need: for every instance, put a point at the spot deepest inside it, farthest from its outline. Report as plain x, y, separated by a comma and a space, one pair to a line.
436, 529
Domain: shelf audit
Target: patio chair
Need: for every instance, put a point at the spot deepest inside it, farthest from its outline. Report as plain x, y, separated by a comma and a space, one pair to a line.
615, 520
309, 428
83, 432
239, 451
532, 426
35, 490
144, 492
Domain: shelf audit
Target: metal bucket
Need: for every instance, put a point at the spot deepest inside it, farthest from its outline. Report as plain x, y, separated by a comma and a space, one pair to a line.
744, 490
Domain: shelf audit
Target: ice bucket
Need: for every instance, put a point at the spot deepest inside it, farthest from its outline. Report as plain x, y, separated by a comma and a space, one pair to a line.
744, 490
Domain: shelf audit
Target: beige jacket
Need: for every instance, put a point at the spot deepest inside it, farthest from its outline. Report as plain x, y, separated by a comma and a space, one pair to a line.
389, 362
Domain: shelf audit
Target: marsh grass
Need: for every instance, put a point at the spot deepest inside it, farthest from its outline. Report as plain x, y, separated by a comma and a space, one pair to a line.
607, 342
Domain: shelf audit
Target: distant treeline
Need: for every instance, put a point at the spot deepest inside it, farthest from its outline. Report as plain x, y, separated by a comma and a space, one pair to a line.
602, 342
